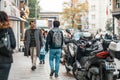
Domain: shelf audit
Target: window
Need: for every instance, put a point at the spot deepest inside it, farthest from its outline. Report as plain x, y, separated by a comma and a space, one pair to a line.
110, 2
93, 16
93, 25
16, 3
93, 7
0, 5
117, 3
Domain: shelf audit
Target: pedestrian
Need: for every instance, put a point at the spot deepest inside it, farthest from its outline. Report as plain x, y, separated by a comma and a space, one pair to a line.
6, 59
46, 33
54, 42
33, 43
42, 51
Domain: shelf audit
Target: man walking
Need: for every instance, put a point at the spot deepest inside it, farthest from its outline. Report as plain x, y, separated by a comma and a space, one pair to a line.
54, 41
33, 43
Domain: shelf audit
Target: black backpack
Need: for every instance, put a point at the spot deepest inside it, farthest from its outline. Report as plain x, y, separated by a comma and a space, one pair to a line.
5, 45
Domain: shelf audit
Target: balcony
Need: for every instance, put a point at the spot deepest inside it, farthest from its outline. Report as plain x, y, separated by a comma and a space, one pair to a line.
116, 8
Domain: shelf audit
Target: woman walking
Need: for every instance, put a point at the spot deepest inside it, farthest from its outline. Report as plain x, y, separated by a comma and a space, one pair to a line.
6, 58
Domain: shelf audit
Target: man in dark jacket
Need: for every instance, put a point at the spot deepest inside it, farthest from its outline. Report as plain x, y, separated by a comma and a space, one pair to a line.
33, 43
55, 52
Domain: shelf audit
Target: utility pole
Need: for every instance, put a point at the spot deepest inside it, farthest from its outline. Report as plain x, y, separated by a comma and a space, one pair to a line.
72, 15
113, 25
36, 9
0, 5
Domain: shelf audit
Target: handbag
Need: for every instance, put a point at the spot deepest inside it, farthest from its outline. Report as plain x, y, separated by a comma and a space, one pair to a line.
5, 45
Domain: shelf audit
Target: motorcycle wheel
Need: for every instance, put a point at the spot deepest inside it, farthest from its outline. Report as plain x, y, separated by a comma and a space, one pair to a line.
71, 49
95, 77
79, 75
109, 76
67, 69
62, 60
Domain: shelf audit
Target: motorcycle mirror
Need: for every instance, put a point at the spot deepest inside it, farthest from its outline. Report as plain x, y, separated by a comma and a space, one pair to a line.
68, 31
90, 43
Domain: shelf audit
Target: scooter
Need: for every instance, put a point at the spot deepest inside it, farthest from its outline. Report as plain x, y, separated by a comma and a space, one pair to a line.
71, 50
69, 57
67, 38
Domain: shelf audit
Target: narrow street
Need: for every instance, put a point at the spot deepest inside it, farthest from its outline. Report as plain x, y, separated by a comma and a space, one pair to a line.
21, 70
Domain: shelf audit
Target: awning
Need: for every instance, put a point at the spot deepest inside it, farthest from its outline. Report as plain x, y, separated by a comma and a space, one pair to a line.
14, 18
116, 14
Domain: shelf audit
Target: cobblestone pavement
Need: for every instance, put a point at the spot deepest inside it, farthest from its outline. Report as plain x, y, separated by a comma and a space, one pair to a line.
21, 70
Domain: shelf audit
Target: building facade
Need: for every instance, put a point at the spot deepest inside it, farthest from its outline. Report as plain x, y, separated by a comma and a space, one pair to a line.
80, 19
24, 13
11, 7
98, 14
116, 16
50, 17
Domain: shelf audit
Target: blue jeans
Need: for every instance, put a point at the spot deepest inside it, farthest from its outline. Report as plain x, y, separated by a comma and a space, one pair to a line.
55, 54
4, 71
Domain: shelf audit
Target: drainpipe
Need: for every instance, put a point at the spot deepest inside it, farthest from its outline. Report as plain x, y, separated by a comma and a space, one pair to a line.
113, 25
0, 4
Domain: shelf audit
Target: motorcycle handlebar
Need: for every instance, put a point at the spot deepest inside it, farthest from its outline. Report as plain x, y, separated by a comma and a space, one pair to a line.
67, 40
78, 43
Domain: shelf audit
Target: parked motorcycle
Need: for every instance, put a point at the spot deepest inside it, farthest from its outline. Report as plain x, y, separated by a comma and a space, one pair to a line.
114, 49
71, 50
96, 66
69, 57
67, 38
84, 48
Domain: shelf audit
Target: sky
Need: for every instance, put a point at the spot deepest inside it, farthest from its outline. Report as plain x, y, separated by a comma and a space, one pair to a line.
51, 5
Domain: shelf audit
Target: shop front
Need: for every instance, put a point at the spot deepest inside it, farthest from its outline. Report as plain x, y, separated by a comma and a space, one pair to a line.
14, 16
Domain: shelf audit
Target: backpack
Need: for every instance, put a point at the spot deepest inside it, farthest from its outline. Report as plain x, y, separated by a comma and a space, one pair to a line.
57, 38
5, 45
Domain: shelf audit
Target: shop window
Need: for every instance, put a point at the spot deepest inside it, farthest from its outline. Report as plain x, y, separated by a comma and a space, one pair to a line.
117, 3
93, 7
93, 17
93, 25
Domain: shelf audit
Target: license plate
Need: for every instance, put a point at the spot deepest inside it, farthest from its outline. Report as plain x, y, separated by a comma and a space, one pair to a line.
110, 65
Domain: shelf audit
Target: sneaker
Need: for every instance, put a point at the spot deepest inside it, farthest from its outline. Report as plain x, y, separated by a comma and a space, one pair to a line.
56, 75
33, 68
52, 72
40, 62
